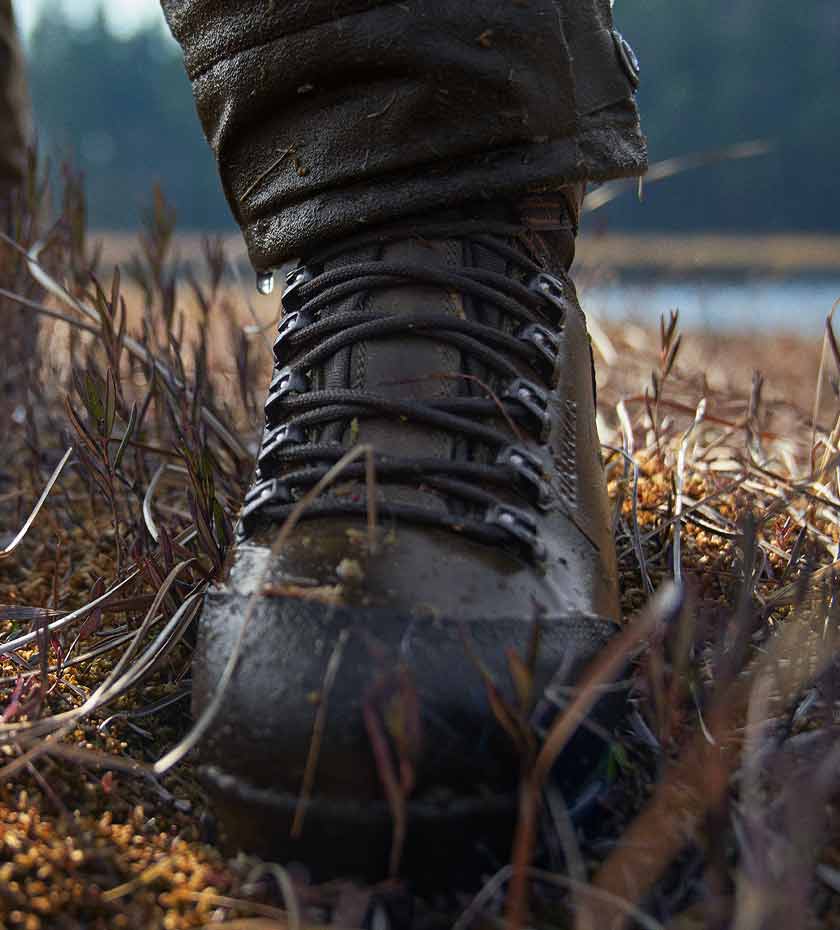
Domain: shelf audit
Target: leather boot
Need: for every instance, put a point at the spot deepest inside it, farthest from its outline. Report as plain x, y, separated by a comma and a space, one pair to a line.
453, 346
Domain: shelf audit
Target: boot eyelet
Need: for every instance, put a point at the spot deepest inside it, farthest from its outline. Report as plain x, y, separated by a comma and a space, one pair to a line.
274, 491
295, 280
545, 342
534, 400
274, 439
291, 323
528, 470
286, 381
547, 285
553, 291
520, 525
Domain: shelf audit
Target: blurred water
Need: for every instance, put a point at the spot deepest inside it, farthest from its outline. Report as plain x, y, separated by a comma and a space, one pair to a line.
797, 305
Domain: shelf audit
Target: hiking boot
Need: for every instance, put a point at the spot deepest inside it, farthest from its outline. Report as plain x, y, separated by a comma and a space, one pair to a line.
358, 728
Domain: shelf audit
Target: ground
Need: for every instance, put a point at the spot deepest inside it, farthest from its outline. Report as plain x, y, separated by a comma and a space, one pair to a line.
716, 471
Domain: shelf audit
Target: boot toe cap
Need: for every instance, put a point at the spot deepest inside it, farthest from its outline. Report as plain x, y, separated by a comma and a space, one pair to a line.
375, 691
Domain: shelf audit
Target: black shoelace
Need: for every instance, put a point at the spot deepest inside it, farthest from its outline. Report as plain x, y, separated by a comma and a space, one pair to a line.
311, 333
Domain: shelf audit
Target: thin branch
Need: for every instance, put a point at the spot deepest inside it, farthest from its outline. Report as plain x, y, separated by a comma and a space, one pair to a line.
5, 553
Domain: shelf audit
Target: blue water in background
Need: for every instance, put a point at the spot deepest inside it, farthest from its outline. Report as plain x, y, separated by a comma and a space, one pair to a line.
798, 305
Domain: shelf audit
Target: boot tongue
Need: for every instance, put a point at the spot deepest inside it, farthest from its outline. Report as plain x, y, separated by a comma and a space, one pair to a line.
416, 367
552, 222
410, 368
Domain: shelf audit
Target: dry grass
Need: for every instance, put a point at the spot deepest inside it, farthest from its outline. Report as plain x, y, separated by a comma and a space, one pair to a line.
718, 808
704, 254
676, 254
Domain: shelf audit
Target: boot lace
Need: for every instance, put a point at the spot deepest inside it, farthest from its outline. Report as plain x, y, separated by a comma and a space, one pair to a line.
292, 459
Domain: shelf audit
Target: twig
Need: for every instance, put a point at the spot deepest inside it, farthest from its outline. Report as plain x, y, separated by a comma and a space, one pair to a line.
48, 311
286, 886
264, 174
665, 604
670, 167
636, 530
137, 349
680, 484
318, 732
686, 792
148, 519
828, 339
5, 553
582, 889
209, 713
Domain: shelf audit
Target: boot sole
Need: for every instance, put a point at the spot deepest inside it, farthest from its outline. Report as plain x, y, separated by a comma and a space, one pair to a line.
458, 839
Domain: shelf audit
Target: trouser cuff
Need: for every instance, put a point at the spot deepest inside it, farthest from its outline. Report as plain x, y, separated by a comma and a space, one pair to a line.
330, 115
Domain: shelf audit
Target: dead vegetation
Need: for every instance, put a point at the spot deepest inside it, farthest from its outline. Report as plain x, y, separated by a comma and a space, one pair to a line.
132, 444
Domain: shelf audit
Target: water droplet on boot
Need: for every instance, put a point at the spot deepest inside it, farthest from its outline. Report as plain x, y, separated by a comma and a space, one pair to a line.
265, 282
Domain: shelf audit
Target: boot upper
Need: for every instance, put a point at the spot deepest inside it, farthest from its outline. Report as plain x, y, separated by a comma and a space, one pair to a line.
452, 350
448, 349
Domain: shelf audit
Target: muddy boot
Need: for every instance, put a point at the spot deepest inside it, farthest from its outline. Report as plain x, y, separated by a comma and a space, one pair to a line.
445, 340
451, 346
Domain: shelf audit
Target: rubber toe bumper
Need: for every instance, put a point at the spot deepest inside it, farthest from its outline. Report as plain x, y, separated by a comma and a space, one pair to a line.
385, 672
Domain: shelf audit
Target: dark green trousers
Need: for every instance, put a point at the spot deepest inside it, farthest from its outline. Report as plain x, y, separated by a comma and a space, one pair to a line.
326, 115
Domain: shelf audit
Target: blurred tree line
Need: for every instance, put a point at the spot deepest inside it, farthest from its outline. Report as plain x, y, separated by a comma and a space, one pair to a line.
715, 72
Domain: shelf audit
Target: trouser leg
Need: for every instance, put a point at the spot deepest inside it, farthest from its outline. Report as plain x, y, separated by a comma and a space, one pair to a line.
328, 114
15, 121
20, 329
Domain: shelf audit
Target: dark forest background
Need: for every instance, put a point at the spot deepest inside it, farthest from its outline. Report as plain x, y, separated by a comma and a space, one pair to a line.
715, 73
